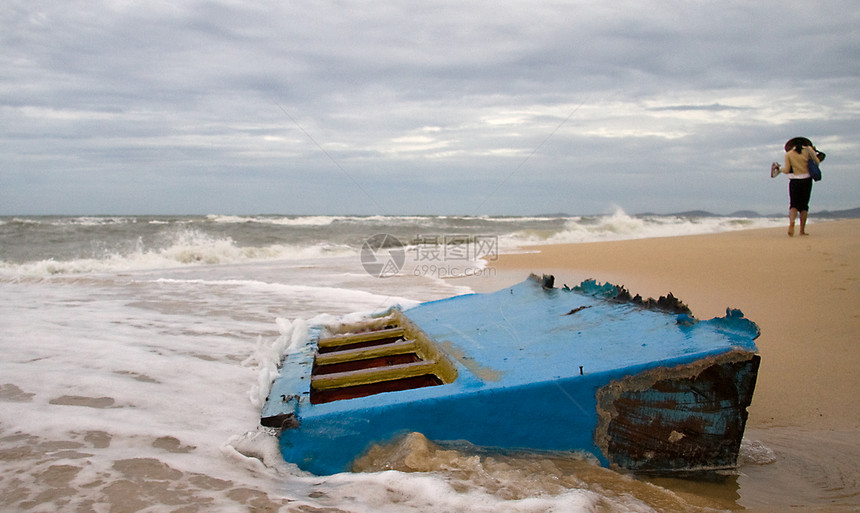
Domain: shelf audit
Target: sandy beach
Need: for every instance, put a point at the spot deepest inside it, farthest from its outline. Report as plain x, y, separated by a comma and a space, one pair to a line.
801, 291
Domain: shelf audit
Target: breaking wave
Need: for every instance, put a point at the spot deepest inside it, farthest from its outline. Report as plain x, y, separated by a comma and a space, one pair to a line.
93, 244
621, 226
189, 247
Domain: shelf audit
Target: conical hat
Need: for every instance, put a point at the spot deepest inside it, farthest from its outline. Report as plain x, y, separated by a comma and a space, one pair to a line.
793, 142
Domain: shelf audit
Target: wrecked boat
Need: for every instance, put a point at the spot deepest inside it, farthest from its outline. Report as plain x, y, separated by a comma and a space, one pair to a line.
637, 384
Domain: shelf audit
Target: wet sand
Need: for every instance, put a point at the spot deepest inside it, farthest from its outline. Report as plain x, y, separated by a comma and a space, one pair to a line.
802, 292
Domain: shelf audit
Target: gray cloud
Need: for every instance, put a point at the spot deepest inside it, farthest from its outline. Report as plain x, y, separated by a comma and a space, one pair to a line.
197, 107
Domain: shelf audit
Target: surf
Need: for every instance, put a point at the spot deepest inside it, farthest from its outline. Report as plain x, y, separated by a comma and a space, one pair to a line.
93, 244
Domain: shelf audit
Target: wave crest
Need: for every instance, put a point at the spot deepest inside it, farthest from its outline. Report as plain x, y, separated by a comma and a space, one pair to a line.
621, 226
188, 247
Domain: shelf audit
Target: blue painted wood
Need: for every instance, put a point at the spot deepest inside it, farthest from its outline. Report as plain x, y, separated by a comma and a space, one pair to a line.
528, 374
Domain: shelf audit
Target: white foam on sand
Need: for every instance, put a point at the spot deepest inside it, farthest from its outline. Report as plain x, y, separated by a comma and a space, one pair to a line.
142, 392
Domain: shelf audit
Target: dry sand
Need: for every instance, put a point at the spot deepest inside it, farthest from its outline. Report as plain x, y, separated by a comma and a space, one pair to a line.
801, 291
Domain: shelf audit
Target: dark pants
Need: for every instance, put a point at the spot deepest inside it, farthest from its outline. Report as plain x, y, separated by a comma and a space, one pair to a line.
799, 191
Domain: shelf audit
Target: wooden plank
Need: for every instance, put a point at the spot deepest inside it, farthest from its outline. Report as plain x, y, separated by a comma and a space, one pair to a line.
340, 394
354, 338
363, 353
373, 375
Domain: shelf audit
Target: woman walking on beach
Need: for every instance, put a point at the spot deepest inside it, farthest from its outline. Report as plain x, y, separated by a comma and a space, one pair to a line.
798, 152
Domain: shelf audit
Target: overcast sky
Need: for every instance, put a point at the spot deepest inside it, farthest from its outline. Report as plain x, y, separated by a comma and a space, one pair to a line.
197, 107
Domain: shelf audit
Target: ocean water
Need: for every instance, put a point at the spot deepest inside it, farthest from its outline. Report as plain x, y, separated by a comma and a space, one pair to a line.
137, 352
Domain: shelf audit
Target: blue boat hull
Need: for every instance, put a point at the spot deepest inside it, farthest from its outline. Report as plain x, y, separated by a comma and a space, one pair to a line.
526, 368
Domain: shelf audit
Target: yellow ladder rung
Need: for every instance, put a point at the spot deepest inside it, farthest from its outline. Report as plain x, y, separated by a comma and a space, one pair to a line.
354, 338
364, 353
372, 375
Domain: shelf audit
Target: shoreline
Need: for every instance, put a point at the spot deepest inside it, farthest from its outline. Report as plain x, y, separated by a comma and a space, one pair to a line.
802, 292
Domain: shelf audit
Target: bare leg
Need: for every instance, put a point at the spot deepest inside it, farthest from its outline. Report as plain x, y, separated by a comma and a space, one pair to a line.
803, 215
792, 215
